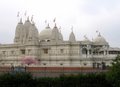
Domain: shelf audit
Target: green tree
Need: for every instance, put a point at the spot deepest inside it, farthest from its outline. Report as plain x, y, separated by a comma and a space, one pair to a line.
113, 76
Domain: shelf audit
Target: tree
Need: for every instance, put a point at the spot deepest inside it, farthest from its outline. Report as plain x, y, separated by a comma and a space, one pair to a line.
29, 60
113, 75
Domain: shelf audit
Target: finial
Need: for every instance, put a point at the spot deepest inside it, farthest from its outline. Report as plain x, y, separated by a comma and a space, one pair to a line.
18, 14
54, 20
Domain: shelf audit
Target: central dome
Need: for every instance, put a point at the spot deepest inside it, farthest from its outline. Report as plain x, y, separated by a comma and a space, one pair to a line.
46, 34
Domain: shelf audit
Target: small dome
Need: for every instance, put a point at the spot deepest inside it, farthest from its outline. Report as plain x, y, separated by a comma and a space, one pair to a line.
100, 40
46, 33
86, 40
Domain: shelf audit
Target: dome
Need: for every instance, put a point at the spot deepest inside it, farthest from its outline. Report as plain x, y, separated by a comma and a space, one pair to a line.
100, 40
46, 33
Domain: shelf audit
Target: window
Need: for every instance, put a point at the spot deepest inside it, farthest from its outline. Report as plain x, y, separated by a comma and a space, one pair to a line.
44, 64
61, 50
12, 52
4, 52
23, 51
48, 40
45, 51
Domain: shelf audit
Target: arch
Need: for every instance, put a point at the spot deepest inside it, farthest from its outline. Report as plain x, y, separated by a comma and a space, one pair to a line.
84, 51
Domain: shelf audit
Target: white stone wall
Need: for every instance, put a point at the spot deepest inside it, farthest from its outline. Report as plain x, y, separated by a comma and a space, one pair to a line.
60, 54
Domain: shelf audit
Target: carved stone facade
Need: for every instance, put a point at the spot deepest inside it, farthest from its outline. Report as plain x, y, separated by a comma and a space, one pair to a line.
50, 50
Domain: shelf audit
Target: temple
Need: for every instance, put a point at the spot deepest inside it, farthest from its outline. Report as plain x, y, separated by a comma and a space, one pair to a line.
49, 49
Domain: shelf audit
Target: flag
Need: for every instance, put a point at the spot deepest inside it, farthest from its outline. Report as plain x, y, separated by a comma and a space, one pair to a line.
54, 20
96, 31
18, 14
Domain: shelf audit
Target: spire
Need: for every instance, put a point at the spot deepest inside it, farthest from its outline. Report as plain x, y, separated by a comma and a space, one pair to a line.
72, 36
54, 20
55, 33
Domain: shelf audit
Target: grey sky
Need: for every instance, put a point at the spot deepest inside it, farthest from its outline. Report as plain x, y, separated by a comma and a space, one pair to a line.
86, 16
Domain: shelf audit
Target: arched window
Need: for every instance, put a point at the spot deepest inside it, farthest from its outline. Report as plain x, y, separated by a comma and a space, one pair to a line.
84, 51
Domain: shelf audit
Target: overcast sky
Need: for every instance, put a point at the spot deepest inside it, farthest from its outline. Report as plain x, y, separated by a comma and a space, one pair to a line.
86, 16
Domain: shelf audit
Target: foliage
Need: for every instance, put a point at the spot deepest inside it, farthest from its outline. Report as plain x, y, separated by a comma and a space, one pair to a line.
113, 76
16, 80
26, 80
23, 79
